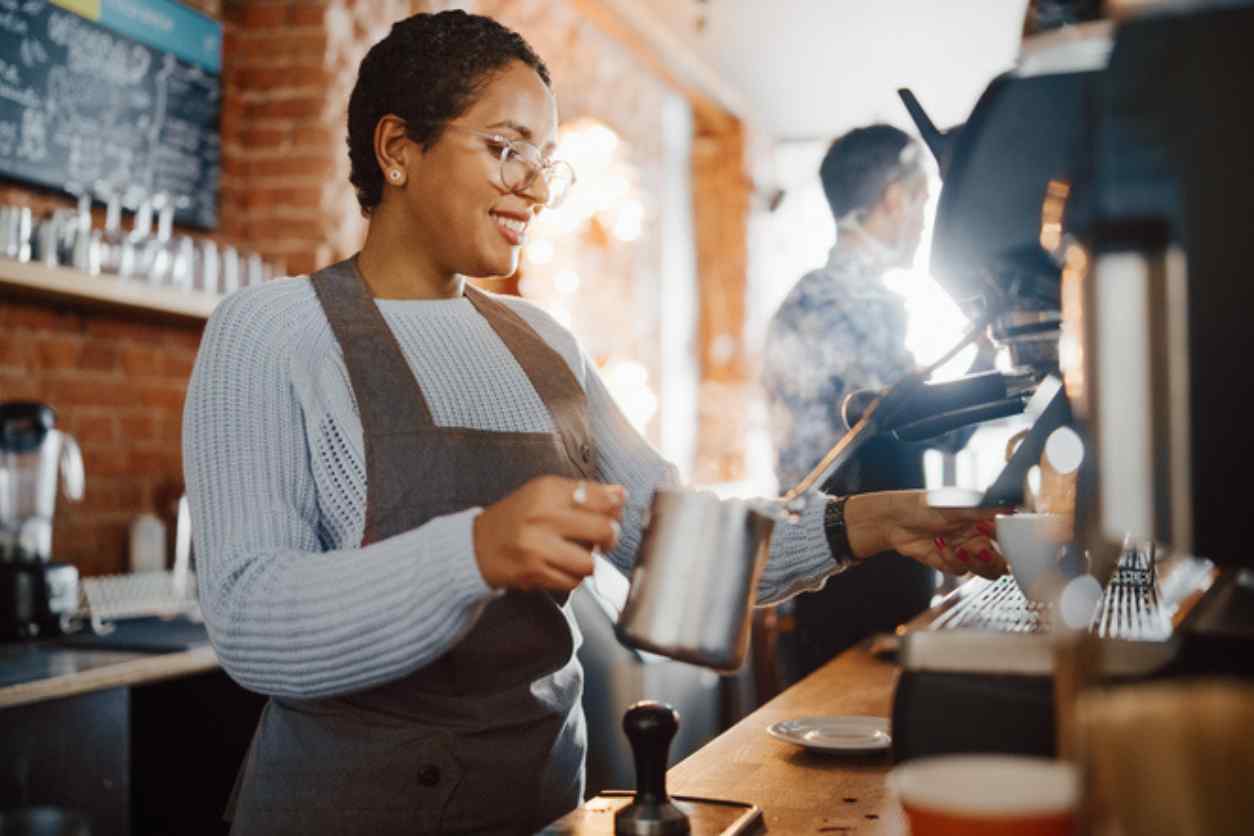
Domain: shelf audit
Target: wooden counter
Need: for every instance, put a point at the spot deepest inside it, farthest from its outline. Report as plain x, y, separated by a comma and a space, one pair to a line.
44, 671
800, 791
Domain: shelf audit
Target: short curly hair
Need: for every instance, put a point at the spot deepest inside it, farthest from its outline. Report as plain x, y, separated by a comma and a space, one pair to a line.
859, 165
428, 70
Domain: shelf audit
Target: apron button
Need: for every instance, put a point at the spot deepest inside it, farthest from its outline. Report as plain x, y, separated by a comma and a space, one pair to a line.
585, 452
429, 775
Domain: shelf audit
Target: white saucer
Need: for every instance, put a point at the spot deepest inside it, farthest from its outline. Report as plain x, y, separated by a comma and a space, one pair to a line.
834, 734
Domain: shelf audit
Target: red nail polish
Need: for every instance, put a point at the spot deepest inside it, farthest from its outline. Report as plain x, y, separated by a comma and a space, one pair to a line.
962, 554
986, 556
940, 542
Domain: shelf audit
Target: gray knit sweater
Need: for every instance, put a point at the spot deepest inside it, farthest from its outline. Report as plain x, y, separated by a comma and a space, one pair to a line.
275, 473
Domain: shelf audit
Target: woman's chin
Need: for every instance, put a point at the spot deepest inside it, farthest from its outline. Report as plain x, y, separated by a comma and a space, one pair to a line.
499, 265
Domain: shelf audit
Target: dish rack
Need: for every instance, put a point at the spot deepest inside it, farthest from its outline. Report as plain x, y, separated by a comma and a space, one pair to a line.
111, 597
165, 593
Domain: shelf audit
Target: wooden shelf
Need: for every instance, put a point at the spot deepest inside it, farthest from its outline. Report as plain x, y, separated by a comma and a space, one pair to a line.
61, 284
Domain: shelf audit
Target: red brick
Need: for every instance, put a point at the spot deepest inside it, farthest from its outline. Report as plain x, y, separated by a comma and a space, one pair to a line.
38, 318
259, 136
111, 494
93, 428
110, 327
176, 364
89, 392
20, 386
307, 106
57, 353
99, 356
172, 429
105, 460
290, 166
161, 396
138, 426
306, 14
156, 462
15, 350
185, 338
99, 547
140, 360
316, 136
299, 264
259, 15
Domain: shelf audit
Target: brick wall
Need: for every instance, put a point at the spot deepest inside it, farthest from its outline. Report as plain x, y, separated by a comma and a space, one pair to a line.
288, 66
117, 383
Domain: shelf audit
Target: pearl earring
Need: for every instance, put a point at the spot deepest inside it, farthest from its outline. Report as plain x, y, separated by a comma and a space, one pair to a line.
395, 175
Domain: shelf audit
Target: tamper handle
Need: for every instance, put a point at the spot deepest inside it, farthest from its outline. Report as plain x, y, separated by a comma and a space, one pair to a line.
650, 726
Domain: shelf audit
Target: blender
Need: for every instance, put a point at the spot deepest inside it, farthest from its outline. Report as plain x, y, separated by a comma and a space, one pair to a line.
37, 595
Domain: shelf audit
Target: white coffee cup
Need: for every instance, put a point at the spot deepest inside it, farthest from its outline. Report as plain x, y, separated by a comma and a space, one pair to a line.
1032, 545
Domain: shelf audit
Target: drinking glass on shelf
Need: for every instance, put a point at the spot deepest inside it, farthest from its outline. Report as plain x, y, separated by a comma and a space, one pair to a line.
109, 241
183, 262
230, 277
15, 232
207, 270
50, 236
83, 250
137, 247
254, 271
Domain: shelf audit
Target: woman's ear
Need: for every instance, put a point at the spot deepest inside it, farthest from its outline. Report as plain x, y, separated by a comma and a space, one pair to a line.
392, 149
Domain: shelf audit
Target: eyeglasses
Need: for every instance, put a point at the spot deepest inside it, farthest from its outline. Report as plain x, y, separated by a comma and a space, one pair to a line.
521, 162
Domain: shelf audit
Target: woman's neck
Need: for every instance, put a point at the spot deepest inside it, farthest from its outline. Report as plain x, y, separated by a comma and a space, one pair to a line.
394, 268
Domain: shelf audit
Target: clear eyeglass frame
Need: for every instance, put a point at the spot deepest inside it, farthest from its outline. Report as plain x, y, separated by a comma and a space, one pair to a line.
521, 162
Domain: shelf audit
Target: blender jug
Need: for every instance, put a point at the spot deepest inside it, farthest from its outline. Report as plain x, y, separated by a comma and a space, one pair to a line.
32, 451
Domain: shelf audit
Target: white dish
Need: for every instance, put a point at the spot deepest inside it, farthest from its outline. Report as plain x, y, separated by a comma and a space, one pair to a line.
834, 734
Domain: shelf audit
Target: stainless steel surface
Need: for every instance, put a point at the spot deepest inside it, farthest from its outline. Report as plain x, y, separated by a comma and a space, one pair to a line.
1129, 608
695, 578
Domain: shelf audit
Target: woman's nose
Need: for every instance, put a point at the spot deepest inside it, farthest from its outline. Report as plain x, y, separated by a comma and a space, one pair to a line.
537, 191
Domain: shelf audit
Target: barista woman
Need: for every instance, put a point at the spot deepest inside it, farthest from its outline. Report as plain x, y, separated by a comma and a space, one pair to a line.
397, 479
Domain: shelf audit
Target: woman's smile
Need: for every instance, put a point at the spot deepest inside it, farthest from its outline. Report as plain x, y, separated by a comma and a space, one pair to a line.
512, 226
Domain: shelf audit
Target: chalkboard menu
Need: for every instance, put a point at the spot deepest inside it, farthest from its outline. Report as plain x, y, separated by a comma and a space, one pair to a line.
121, 91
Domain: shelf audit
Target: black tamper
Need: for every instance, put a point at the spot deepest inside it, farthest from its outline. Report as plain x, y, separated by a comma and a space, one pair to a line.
650, 726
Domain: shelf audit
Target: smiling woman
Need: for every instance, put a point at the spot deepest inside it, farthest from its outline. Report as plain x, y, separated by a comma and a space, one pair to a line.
397, 479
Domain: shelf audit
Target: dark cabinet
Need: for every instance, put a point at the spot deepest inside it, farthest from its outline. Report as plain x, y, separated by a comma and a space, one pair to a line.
157, 758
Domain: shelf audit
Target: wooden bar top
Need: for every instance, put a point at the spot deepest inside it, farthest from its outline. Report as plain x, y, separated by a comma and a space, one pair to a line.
801, 791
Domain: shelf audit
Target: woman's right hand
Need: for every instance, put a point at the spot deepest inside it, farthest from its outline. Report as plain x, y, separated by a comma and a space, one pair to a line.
541, 536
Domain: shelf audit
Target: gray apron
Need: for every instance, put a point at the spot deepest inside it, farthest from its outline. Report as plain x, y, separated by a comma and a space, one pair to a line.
462, 744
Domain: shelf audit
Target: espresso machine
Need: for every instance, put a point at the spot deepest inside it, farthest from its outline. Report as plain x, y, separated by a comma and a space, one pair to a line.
37, 594
1095, 207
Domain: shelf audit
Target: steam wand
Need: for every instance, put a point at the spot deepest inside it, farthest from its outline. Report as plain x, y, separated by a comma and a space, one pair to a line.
880, 417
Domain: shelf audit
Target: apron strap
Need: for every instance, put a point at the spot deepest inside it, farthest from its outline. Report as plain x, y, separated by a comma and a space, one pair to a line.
549, 374
378, 377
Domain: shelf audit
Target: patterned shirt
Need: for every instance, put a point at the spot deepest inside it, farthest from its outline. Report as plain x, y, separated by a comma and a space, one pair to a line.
840, 329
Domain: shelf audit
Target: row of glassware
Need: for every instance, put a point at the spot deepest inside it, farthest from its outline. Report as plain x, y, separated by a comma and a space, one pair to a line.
149, 252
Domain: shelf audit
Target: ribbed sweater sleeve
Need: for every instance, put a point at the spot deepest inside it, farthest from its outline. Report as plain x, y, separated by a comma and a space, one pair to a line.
286, 616
800, 559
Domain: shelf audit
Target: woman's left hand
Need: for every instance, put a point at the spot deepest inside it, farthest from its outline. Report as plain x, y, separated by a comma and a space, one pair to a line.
952, 540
